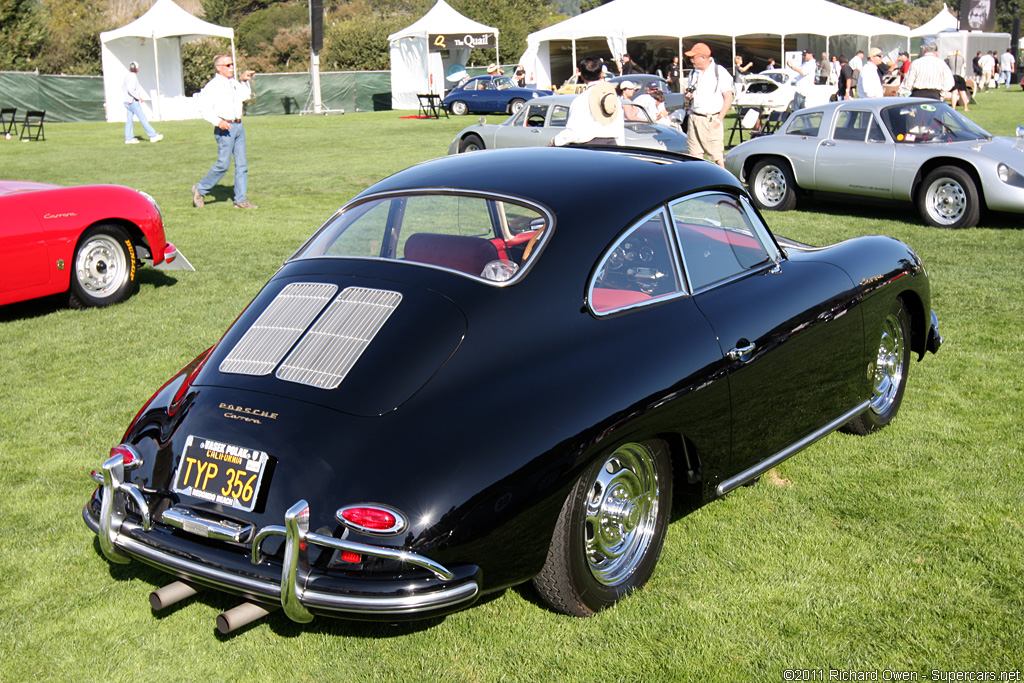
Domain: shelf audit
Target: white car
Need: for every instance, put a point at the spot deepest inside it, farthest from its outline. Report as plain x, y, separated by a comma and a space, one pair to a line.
773, 90
537, 124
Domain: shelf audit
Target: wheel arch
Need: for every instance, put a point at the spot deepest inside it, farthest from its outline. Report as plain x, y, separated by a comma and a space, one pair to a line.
935, 162
748, 166
139, 242
919, 321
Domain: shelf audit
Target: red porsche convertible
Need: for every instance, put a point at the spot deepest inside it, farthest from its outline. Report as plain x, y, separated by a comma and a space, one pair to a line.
87, 241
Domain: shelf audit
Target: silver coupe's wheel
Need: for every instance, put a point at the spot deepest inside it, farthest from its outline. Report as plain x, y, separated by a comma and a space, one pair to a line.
459, 108
890, 373
948, 198
104, 267
771, 185
610, 531
515, 105
471, 143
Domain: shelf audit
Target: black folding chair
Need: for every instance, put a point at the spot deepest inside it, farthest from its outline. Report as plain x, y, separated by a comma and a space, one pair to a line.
743, 123
32, 128
771, 124
430, 106
8, 120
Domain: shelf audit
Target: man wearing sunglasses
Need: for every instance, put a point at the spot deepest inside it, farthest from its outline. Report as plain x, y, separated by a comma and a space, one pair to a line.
220, 103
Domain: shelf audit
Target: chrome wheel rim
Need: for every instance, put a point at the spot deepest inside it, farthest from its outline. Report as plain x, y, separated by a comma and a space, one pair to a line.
888, 366
620, 515
516, 106
946, 201
101, 267
459, 108
770, 185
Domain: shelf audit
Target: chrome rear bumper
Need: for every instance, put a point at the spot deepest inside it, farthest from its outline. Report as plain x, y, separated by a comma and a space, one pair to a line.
121, 539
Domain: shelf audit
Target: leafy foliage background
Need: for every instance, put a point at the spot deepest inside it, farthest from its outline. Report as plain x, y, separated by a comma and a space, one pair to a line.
62, 36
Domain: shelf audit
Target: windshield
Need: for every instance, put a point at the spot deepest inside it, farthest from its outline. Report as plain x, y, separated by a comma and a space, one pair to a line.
483, 237
923, 122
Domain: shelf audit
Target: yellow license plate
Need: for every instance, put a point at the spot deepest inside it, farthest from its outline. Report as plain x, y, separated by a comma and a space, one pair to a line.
220, 473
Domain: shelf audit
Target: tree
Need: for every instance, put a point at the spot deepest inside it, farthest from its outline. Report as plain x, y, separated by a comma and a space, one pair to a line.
21, 34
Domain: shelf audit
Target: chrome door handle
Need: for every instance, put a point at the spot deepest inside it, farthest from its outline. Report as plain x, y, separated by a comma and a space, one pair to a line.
828, 143
741, 352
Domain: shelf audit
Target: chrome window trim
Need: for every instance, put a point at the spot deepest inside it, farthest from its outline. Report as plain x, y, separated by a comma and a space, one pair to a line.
673, 247
498, 197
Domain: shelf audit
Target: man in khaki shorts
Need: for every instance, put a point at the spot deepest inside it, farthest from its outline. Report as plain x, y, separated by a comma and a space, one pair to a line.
709, 92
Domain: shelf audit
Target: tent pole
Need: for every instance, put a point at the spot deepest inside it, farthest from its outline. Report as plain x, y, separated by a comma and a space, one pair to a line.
733, 69
157, 109
314, 70
574, 60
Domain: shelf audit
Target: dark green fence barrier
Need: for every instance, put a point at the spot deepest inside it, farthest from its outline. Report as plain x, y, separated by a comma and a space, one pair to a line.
80, 98
64, 98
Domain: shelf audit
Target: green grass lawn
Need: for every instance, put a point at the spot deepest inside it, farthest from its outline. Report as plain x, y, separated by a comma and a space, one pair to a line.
902, 551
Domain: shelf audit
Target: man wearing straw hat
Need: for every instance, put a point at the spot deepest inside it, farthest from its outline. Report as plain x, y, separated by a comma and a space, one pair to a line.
595, 115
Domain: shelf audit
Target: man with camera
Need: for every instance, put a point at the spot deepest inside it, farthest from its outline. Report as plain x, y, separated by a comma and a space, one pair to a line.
709, 95
220, 103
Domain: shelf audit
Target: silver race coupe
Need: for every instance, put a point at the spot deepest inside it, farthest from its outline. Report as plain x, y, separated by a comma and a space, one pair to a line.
907, 149
536, 124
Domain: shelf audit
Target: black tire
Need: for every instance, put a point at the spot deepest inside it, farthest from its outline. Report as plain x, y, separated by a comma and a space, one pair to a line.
515, 105
890, 373
610, 531
459, 108
771, 184
103, 268
471, 143
948, 198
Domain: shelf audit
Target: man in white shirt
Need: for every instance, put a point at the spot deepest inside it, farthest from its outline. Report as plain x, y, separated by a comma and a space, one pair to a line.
709, 89
595, 115
220, 103
869, 84
133, 97
988, 68
805, 80
1006, 66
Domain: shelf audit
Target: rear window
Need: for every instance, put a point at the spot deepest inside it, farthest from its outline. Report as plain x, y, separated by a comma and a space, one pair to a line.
481, 237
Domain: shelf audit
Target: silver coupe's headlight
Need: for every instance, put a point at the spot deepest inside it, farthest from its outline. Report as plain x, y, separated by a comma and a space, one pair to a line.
1009, 176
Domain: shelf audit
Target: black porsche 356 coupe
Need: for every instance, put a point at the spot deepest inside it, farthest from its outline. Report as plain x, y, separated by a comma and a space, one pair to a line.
484, 370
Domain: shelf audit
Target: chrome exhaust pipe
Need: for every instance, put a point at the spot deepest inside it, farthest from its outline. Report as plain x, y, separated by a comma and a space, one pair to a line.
236, 618
170, 594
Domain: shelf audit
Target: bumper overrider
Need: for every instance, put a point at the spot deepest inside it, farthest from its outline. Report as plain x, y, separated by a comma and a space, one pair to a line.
301, 590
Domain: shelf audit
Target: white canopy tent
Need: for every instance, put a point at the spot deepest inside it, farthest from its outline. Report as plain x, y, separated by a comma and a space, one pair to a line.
943, 21
621, 20
422, 53
154, 41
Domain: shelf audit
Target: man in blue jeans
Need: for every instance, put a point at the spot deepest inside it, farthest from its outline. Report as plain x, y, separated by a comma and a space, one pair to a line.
133, 96
220, 102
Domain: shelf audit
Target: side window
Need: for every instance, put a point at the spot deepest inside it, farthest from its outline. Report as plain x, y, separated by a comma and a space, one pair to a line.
717, 237
533, 116
559, 114
875, 133
852, 125
639, 268
805, 124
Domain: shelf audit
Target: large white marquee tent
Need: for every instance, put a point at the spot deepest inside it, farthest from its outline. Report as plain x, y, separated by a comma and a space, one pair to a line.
415, 68
154, 41
817, 24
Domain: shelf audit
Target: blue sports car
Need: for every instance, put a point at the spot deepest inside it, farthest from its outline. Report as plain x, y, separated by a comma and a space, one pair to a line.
485, 94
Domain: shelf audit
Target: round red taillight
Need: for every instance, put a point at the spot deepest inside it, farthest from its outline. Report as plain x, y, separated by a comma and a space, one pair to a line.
129, 457
374, 519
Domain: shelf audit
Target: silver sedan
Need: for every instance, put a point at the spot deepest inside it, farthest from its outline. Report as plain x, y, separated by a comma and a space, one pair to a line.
913, 149
536, 124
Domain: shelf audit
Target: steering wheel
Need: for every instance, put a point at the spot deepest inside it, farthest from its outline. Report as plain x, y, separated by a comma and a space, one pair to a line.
533, 241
